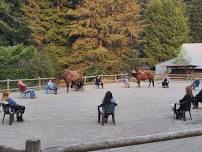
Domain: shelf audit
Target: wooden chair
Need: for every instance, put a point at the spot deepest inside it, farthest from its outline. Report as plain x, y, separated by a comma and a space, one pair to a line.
7, 110
109, 110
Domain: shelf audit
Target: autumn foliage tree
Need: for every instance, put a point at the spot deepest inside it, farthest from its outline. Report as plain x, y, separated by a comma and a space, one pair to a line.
101, 31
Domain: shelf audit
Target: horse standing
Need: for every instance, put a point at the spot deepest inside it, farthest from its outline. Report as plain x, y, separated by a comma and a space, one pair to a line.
144, 75
73, 77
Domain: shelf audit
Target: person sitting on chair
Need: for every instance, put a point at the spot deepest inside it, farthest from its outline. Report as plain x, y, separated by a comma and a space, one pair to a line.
196, 83
23, 88
126, 82
197, 99
14, 106
51, 86
165, 82
108, 98
185, 102
98, 82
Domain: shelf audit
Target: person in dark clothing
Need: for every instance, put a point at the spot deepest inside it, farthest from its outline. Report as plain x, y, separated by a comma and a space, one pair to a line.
197, 99
185, 102
108, 104
98, 82
165, 82
14, 106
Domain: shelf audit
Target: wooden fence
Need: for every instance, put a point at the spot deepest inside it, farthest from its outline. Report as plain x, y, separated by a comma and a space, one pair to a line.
34, 145
40, 83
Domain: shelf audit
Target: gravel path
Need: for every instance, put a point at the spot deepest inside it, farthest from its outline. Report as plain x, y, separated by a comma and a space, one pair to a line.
71, 118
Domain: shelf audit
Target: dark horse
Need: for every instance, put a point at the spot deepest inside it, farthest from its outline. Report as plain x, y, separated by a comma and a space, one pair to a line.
73, 77
144, 75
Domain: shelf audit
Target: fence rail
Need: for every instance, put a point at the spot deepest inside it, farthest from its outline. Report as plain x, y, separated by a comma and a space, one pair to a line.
39, 83
34, 145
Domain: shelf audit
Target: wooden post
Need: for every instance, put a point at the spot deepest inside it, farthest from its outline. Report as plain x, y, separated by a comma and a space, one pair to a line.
85, 80
8, 84
115, 78
102, 77
33, 145
39, 83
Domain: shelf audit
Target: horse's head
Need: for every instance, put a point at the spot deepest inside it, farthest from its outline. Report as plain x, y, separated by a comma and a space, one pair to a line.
57, 78
134, 74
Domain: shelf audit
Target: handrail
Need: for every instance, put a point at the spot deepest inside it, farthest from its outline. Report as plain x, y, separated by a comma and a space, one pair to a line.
131, 141
34, 145
112, 78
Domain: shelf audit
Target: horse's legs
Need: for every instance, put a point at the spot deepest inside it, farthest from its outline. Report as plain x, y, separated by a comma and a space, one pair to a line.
149, 82
67, 84
138, 83
153, 82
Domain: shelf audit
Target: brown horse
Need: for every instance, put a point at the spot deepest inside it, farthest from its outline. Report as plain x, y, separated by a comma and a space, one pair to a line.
73, 77
144, 75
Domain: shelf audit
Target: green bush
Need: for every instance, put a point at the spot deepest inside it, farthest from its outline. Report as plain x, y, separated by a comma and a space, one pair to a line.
24, 62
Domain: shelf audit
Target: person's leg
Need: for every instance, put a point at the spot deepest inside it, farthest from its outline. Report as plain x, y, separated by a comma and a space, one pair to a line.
103, 119
163, 84
55, 89
195, 103
32, 94
179, 113
101, 84
47, 90
20, 110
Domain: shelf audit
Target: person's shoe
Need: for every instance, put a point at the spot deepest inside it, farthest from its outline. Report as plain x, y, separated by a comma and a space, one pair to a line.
19, 119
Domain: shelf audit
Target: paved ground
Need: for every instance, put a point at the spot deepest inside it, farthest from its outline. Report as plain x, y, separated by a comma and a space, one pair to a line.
72, 118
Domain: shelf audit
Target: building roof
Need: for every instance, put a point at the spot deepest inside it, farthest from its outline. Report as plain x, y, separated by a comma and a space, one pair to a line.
181, 66
190, 56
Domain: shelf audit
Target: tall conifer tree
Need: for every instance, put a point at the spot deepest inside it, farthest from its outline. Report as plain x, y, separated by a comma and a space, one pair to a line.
166, 29
195, 20
13, 27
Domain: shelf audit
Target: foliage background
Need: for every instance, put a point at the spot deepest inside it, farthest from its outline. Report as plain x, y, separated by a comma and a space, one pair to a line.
40, 38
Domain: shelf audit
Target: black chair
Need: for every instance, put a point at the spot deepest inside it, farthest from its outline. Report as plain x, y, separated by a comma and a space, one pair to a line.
109, 110
186, 107
7, 110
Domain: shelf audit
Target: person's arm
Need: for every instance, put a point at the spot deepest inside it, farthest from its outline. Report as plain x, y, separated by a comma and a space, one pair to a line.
186, 99
183, 99
11, 102
114, 101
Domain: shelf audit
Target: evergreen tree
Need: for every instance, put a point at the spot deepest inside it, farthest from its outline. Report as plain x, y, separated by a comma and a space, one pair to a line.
101, 32
195, 20
49, 23
166, 29
13, 28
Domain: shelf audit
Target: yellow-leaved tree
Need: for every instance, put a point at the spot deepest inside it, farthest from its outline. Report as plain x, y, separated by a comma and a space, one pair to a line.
102, 31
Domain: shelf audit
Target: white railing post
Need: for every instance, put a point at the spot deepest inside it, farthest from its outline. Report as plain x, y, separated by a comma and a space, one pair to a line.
8, 84
102, 77
85, 81
115, 78
39, 83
